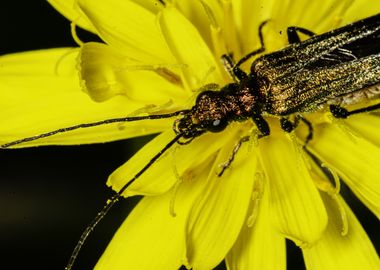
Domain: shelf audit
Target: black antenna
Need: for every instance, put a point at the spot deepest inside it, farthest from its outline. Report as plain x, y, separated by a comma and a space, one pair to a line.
111, 202
93, 124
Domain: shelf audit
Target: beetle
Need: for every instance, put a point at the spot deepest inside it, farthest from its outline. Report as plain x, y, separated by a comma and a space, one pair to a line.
337, 68
334, 69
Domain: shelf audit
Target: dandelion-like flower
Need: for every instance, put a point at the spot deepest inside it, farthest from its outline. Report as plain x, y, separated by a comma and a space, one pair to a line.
156, 58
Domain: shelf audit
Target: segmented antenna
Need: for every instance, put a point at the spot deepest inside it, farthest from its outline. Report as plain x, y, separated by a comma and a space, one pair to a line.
93, 124
111, 202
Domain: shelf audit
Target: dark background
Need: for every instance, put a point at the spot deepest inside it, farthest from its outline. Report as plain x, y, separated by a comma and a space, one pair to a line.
49, 194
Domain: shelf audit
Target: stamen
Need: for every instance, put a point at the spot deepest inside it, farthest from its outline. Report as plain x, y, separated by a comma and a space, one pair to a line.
253, 139
147, 109
334, 194
134, 67
74, 34
301, 244
325, 185
340, 123
218, 42
203, 80
298, 149
209, 86
169, 76
229, 27
257, 194
59, 61
343, 214
336, 189
219, 47
176, 185
210, 15
151, 109
163, 70
174, 197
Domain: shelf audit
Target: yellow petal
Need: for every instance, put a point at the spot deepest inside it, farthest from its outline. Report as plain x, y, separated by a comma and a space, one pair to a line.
40, 92
189, 48
199, 15
150, 5
249, 15
106, 72
219, 213
357, 162
128, 27
334, 251
322, 17
315, 16
160, 177
151, 238
71, 11
259, 243
366, 125
360, 9
297, 209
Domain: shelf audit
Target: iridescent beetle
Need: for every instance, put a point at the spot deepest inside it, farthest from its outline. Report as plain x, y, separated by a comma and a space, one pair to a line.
335, 69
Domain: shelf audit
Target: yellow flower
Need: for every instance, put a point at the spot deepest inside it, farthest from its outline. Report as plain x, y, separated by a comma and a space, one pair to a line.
155, 59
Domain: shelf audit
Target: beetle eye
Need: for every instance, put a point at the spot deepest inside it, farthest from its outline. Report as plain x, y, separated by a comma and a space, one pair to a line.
217, 125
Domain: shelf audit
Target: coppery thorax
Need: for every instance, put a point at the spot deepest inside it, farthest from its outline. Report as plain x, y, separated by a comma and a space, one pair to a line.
233, 102
213, 110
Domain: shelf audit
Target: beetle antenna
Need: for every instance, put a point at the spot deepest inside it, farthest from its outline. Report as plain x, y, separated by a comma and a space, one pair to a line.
92, 124
110, 203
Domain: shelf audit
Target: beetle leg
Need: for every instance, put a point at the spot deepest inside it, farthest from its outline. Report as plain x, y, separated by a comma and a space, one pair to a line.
293, 36
234, 69
261, 124
289, 126
340, 112
310, 135
255, 52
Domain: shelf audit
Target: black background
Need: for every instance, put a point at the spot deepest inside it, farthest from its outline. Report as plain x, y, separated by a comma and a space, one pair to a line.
49, 194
